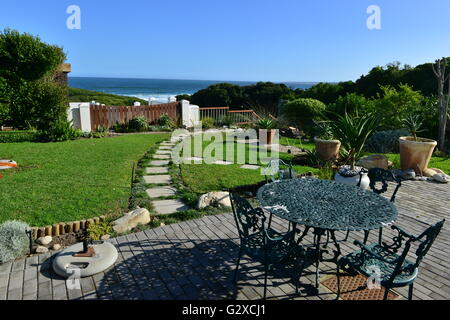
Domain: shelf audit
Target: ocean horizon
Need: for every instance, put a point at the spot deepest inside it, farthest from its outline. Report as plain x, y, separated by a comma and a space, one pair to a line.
158, 89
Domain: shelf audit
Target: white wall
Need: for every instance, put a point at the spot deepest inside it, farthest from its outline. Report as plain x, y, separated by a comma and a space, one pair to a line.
190, 114
80, 114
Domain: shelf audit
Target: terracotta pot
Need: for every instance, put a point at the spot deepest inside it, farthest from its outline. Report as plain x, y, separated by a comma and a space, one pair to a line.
327, 149
416, 154
269, 133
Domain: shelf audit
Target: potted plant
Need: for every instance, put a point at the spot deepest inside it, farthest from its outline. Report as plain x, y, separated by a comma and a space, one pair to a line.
415, 152
326, 146
353, 130
266, 127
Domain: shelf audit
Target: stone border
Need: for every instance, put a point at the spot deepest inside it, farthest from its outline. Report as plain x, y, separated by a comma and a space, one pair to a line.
62, 228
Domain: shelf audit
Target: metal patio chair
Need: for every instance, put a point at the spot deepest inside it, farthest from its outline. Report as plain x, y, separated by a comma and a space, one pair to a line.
264, 244
390, 260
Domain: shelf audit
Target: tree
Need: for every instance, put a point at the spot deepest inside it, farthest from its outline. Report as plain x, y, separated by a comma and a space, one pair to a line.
439, 69
28, 94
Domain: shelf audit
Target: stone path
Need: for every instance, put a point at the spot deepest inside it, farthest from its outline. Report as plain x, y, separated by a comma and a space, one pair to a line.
157, 175
196, 259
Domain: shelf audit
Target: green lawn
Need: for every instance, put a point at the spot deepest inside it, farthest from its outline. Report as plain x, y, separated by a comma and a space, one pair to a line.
203, 178
299, 143
66, 181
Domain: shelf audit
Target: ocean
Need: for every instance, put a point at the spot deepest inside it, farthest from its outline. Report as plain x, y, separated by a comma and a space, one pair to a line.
158, 89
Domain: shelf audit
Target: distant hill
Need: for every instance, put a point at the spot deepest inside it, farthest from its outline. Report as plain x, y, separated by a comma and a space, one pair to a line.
83, 95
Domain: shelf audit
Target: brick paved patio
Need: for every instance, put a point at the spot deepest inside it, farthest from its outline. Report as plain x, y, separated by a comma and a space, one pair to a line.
196, 260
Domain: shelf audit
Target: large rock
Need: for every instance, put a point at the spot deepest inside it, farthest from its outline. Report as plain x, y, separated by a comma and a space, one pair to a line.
41, 249
131, 219
374, 161
214, 199
45, 241
430, 172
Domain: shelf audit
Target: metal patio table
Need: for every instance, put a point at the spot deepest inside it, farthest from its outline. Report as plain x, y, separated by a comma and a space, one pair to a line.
326, 207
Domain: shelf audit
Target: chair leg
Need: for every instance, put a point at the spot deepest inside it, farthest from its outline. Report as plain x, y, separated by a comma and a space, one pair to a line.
346, 236
366, 235
237, 265
380, 236
338, 274
270, 220
410, 291
266, 268
386, 291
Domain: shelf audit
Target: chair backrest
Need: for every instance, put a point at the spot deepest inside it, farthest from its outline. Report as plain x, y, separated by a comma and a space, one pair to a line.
277, 169
248, 220
425, 240
383, 176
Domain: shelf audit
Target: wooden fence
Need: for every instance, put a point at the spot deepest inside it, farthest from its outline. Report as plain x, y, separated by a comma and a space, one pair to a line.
236, 116
108, 116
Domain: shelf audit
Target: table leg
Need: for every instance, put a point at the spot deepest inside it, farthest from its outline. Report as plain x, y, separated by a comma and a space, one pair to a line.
317, 235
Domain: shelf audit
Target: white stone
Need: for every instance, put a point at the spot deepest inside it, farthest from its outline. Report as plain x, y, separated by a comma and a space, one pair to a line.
56, 247
221, 162
159, 163
156, 170
161, 156
131, 219
41, 249
250, 167
158, 179
65, 264
161, 192
44, 240
169, 206
105, 237
441, 177
214, 199
374, 161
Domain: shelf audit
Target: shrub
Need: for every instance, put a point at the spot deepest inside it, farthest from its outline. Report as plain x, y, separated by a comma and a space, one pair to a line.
226, 120
14, 241
60, 130
301, 112
208, 123
138, 124
98, 230
385, 141
350, 103
18, 136
165, 121
120, 127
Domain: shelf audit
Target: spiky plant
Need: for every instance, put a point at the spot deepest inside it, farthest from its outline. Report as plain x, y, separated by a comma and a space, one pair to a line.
414, 125
14, 241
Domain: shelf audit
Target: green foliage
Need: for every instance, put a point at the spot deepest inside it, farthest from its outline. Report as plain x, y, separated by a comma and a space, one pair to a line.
165, 121
301, 112
226, 120
60, 130
395, 104
138, 124
264, 97
350, 103
414, 125
24, 57
218, 95
323, 130
385, 141
18, 136
266, 123
187, 97
83, 95
27, 69
353, 131
14, 241
208, 123
96, 231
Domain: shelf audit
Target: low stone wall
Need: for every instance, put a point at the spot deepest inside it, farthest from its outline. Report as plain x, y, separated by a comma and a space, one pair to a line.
61, 228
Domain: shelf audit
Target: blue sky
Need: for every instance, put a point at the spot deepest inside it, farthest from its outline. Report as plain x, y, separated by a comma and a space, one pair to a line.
267, 40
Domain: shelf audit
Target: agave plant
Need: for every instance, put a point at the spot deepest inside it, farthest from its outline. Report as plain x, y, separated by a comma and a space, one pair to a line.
353, 130
414, 125
265, 123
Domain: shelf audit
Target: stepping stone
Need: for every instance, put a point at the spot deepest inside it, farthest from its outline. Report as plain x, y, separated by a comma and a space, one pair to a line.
164, 178
161, 192
161, 156
190, 159
250, 167
225, 163
163, 152
167, 143
165, 148
169, 206
156, 170
159, 163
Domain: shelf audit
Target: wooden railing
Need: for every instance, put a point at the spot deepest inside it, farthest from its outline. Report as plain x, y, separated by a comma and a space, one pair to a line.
108, 116
236, 116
